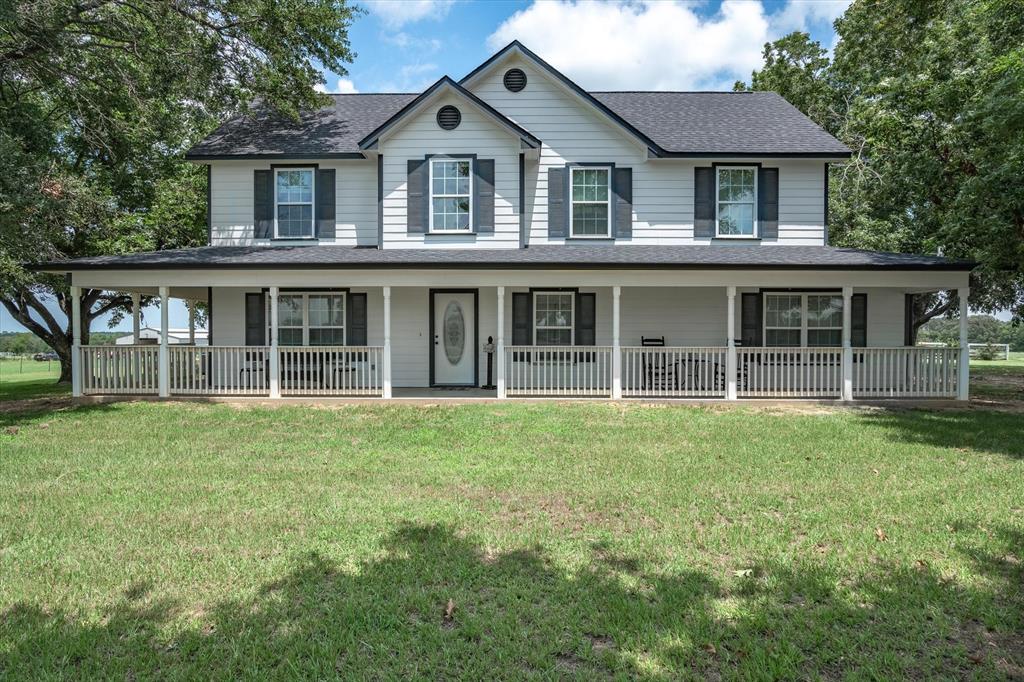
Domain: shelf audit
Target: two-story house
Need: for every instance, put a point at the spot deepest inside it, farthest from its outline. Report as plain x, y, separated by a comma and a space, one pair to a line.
571, 243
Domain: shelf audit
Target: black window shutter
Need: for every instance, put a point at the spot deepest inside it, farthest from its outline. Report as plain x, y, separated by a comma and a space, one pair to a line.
558, 214
417, 197
703, 203
909, 335
355, 320
483, 205
325, 211
622, 186
255, 320
750, 320
522, 323
859, 321
263, 203
768, 202
586, 319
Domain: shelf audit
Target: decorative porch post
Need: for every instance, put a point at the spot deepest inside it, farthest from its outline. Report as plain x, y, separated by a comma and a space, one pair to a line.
275, 373
500, 369
136, 318
76, 342
387, 343
847, 345
164, 378
730, 342
616, 351
963, 387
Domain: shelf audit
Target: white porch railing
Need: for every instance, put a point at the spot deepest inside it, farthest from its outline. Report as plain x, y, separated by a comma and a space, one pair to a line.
117, 370
219, 370
673, 372
906, 372
332, 370
789, 372
566, 371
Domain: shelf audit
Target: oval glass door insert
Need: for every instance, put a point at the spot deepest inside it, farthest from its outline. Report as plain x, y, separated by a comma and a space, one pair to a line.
454, 332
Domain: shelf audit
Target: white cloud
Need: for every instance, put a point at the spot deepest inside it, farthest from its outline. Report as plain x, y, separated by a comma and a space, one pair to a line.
411, 78
397, 13
651, 45
344, 86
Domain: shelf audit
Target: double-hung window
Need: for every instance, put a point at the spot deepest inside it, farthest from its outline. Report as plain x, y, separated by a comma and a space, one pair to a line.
803, 319
310, 319
553, 318
293, 200
590, 190
451, 198
736, 195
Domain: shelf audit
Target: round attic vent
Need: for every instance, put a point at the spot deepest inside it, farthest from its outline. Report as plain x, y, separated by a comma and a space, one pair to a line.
515, 80
448, 117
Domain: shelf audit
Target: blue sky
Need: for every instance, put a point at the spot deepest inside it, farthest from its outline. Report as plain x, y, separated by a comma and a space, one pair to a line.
405, 45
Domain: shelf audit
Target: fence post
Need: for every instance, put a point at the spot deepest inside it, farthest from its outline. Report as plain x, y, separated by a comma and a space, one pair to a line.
847, 362
731, 366
616, 349
275, 360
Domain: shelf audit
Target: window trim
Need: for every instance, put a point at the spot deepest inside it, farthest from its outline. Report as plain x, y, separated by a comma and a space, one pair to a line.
311, 203
305, 294
803, 295
430, 182
756, 223
572, 315
608, 202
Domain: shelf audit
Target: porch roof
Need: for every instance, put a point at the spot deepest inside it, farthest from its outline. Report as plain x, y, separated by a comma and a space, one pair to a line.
549, 256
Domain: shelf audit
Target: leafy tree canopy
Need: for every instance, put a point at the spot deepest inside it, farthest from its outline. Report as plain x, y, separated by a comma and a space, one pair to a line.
930, 98
98, 101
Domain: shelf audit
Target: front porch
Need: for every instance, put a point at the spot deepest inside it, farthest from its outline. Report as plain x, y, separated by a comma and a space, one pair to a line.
625, 342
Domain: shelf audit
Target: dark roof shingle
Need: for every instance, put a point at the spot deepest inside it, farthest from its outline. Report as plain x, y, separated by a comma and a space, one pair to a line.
696, 256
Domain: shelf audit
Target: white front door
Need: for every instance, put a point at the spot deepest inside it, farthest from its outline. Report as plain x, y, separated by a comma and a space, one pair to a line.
454, 338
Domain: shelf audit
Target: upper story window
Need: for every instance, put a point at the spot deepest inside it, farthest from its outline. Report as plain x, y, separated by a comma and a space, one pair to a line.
591, 202
451, 200
293, 199
553, 318
803, 319
737, 201
313, 319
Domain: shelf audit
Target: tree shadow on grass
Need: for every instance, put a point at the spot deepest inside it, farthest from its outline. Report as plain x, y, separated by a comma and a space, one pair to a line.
516, 615
984, 430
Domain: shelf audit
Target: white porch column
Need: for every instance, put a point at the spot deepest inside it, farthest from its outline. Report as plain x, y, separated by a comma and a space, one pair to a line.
191, 323
165, 356
730, 342
387, 342
500, 360
136, 318
616, 351
275, 373
847, 346
76, 341
964, 383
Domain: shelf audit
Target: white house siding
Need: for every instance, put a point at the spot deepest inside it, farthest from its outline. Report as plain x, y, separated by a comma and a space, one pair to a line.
663, 190
477, 134
355, 201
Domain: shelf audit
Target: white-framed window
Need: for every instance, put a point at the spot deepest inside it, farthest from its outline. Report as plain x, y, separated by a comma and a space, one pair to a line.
293, 202
799, 319
451, 195
553, 318
736, 195
590, 192
309, 319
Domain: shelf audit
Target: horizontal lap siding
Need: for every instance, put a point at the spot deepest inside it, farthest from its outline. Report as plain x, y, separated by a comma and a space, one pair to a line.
476, 134
355, 201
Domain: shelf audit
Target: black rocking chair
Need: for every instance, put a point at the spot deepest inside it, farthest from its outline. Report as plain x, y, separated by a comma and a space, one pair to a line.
659, 372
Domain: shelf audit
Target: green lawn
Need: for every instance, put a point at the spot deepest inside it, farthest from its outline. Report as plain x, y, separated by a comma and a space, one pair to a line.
26, 378
998, 379
142, 540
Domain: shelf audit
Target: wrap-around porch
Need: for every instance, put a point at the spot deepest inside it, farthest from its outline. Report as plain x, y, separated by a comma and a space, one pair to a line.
783, 340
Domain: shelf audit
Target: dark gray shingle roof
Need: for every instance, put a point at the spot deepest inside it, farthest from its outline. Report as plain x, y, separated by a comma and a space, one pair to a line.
540, 256
684, 123
722, 122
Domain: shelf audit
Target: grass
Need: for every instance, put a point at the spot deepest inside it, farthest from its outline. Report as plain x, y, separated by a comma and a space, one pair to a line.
142, 540
21, 379
998, 379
